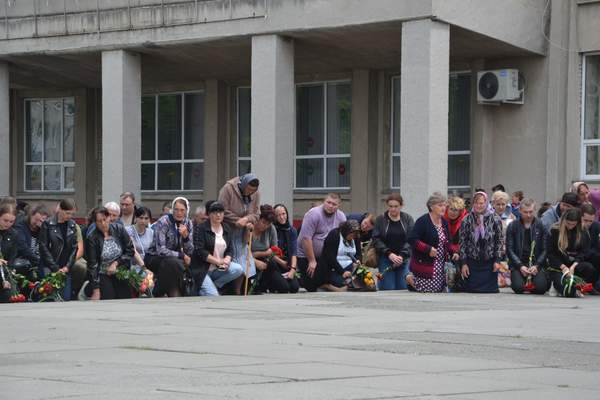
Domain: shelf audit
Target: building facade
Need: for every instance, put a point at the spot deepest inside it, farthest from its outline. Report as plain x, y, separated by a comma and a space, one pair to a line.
173, 97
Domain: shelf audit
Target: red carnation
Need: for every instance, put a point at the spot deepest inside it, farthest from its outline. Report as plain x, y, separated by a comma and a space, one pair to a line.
585, 288
277, 251
48, 288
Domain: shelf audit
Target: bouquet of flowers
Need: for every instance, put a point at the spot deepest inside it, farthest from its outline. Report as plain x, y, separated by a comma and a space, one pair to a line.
276, 251
363, 279
47, 289
573, 283
141, 282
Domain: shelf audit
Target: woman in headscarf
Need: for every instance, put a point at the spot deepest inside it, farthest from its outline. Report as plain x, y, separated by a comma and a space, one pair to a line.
341, 251
172, 249
480, 248
241, 199
287, 241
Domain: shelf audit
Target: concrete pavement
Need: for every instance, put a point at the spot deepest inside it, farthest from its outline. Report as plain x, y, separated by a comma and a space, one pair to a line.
308, 346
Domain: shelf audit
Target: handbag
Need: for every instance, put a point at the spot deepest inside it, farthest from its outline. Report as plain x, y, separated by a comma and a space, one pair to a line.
371, 258
188, 285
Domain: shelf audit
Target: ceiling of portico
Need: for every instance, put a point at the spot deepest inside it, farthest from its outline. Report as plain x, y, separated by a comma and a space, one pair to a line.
323, 51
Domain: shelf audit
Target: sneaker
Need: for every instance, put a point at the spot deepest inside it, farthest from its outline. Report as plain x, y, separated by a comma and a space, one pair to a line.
81, 296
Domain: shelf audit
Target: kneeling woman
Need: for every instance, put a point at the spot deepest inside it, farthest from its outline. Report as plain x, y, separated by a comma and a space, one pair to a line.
340, 250
107, 248
430, 248
172, 249
8, 249
481, 248
211, 262
568, 247
265, 236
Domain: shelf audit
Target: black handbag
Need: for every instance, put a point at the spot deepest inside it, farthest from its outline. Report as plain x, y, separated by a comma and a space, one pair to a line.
188, 285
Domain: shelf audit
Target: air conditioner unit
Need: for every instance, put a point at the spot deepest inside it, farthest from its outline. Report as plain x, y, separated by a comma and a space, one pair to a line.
498, 86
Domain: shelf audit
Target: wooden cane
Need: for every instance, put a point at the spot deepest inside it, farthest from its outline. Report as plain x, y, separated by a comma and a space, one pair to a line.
248, 262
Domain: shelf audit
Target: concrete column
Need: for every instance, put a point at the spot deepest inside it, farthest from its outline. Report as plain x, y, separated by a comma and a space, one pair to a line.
273, 120
215, 138
121, 123
363, 180
4, 130
424, 112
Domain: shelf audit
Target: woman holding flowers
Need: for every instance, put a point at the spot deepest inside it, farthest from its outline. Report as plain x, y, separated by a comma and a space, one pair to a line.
568, 247
8, 249
340, 251
108, 248
141, 236
264, 242
287, 241
481, 248
390, 240
430, 248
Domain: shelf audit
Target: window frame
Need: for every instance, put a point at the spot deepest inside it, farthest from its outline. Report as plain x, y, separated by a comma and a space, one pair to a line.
237, 123
586, 142
463, 152
324, 156
181, 161
62, 164
392, 126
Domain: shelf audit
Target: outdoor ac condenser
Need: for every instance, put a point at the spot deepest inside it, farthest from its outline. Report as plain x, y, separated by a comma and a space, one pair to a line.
498, 86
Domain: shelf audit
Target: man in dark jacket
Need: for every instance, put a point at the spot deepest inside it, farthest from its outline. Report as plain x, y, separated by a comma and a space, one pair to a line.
58, 244
28, 233
526, 251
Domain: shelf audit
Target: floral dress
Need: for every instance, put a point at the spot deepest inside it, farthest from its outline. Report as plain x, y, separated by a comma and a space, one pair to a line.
438, 282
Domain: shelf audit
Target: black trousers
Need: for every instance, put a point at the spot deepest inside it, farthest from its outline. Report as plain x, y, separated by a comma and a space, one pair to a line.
168, 272
584, 270
111, 288
272, 280
307, 282
540, 281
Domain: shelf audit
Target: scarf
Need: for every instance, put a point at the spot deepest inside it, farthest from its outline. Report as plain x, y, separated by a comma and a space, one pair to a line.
454, 224
479, 231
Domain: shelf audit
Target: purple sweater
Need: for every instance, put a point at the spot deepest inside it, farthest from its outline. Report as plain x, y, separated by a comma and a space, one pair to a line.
316, 225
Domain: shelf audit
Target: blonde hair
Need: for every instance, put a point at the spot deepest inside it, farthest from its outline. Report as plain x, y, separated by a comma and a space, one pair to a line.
500, 195
573, 215
456, 202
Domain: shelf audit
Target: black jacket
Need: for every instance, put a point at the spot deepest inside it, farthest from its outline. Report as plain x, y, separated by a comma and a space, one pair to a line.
24, 240
330, 251
52, 244
204, 245
8, 247
573, 253
93, 251
514, 243
424, 236
382, 224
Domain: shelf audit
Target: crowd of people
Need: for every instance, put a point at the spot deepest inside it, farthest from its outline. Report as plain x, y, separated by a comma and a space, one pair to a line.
236, 245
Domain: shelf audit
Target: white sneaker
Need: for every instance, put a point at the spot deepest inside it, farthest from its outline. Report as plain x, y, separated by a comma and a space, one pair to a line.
81, 296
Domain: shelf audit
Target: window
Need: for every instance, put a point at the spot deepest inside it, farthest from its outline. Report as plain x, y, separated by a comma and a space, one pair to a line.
243, 130
590, 121
323, 131
49, 145
173, 142
459, 133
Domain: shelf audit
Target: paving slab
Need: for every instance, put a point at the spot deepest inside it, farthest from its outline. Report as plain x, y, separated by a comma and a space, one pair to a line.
351, 346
